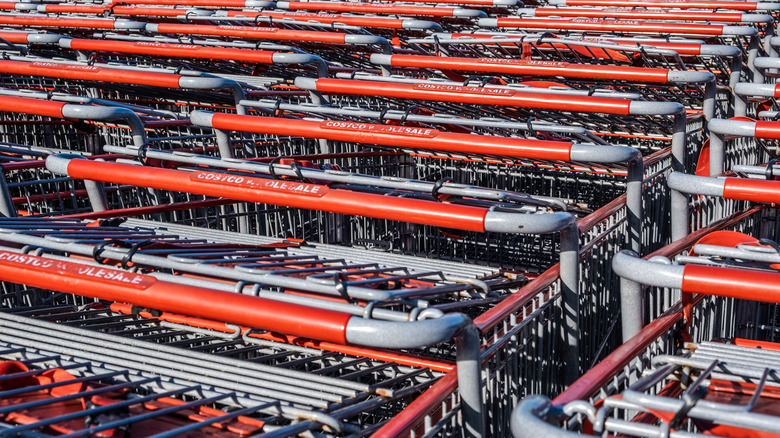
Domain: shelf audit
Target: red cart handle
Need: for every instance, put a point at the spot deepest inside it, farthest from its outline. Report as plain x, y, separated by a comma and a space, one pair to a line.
487, 96
380, 8
544, 68
311, 197
22, 37
63, 22
749, 284
200, 3
351, 20
243, 310
172, 50
147, 291
264, 33
389, 135
122, 76
742, 189
646, 14
672, 4
114, 10
630, 26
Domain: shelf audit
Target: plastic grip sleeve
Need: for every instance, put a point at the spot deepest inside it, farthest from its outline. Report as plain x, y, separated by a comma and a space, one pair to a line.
174, 50
474, 95
147, 291
389, 135
542, 68
89, 73
253, 32
274, 192
731, 282
755, 190
26, 105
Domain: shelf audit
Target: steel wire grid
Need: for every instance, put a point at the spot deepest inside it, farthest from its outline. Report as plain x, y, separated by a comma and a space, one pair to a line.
163, 366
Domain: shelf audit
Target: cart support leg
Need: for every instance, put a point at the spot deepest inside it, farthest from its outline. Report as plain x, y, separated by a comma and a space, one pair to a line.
7, 208
708, 106
634, 204
631, 308
679, 142
570, 277
223, 143
470, 381
717, 154
680, 219
758, 75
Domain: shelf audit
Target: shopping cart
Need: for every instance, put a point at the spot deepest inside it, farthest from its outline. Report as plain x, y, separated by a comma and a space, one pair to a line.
131, 85
374, 382
449, 16
745, 37
349, 50
610, 397
695, 89
521, 359
203, 3
725, 62
672, 4
225, 60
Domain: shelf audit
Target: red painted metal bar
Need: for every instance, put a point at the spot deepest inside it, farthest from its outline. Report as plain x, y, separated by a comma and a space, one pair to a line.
147, 291
639, 14
541, 68
203, 3
264, 33
25, 105
592, 24
672, 4
90, 73
474, 95
130, 11
58, 22
352, 20
174, 50
755, 190
398, 136
767, 130
15, 37
372, 8
732, 282
284, 193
